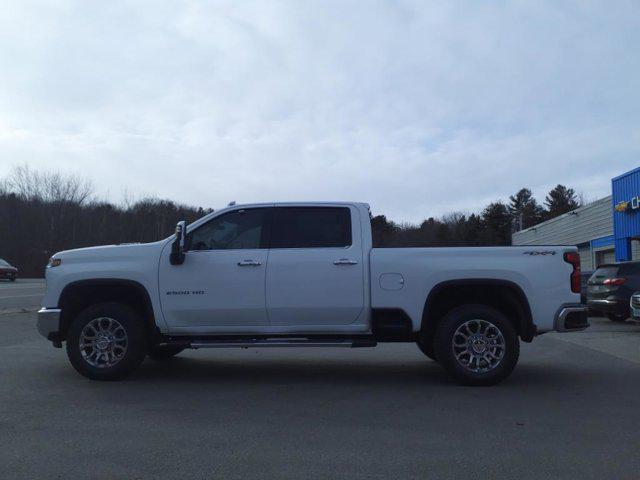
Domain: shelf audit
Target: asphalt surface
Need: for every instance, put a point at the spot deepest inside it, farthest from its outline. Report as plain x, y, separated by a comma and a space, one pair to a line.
23, 293
570, 410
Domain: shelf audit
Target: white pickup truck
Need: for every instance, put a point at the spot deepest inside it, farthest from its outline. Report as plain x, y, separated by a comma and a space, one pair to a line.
305, 274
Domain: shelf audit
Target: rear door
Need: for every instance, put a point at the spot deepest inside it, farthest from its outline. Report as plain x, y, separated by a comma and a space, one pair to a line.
315, 274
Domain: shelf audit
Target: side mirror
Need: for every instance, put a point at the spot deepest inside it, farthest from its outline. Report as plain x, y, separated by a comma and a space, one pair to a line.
178, 246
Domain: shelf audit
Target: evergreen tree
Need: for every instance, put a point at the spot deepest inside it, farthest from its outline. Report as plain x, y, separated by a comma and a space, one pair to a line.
524, 210
561, 200
496, 223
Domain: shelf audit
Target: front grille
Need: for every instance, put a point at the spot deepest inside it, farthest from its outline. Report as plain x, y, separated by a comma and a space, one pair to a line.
635, 301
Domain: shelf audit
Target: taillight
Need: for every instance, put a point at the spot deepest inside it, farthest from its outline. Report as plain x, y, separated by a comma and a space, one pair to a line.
614, 281
574, 259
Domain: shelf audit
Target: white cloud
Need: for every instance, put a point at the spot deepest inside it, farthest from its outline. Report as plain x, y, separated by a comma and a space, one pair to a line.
419, 108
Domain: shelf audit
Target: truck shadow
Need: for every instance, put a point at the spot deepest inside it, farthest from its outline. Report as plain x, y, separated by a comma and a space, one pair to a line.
317, 372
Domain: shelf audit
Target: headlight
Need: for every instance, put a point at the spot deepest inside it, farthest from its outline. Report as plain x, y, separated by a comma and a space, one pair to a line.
54, 262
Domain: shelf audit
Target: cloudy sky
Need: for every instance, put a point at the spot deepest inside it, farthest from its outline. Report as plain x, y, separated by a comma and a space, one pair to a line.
419, 108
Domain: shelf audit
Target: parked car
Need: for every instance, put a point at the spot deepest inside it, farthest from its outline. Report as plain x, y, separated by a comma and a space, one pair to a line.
634, 305
610, 288
584, 278
8, 271
305, 275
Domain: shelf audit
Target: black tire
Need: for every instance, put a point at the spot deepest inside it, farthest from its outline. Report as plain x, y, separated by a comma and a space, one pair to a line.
12, 279
616, 317
444, 348
136, 341
164, 352
427, 349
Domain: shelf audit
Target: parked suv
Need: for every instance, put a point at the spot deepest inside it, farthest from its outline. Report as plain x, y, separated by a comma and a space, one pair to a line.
635, 306
584, 278
610, 288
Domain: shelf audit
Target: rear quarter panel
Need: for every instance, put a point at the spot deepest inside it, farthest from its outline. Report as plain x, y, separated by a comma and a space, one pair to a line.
543, 278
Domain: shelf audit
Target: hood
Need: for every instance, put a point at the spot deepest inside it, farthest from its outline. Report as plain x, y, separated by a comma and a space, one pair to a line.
112, 252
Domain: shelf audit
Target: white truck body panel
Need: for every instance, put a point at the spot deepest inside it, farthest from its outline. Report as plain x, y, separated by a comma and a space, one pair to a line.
209, 290
319, 287
544, 279
136, 262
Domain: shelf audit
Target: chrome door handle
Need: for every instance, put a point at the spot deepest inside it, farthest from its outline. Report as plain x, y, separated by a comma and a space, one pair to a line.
345, 261
249, 263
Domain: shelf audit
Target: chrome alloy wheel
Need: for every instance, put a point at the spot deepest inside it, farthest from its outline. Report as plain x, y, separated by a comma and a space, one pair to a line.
103, 342
478, 346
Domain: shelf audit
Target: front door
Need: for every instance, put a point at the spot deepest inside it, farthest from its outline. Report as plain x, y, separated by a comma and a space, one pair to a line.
221, 283
315, 275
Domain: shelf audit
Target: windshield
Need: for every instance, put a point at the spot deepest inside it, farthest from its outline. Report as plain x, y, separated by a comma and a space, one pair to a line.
4, 263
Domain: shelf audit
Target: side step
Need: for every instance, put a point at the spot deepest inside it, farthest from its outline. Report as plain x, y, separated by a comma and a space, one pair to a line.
280, 342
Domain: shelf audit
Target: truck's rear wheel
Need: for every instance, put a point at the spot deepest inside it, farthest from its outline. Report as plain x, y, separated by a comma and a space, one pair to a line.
477, 345
106, 341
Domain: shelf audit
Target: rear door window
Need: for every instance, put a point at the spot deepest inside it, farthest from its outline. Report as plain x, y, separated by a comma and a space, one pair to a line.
311, 227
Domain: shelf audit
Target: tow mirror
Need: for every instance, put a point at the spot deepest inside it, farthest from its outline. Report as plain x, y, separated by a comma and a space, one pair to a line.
178, 246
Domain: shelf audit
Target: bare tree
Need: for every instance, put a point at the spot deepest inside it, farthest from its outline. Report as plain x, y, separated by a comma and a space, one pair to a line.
48, 186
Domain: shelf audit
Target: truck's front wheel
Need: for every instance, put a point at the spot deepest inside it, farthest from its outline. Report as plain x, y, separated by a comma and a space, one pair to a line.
106, 341
477, 345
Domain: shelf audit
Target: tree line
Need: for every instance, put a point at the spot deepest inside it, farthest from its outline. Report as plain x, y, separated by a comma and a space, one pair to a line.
44, 212
493, 226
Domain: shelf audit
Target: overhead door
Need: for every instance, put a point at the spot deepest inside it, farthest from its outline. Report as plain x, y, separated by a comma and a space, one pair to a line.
605, 256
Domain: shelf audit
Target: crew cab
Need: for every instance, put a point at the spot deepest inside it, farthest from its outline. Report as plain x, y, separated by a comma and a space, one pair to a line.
305, 274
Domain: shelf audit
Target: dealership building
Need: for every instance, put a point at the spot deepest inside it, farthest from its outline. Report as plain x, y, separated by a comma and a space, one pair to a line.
604, 231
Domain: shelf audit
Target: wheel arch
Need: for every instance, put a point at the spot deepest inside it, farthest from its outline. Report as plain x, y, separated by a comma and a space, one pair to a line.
503, 295
78, 295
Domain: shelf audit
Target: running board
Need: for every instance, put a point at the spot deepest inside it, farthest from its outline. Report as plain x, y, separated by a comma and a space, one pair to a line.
282, 342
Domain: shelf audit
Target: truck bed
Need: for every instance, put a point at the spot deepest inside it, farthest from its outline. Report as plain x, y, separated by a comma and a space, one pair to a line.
402, 277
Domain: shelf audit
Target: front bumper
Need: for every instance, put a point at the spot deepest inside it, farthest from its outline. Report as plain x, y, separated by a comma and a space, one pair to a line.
571, 317
49, 324
10, 274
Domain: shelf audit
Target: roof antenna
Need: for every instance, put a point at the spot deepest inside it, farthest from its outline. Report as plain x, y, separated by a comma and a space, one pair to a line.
231, 204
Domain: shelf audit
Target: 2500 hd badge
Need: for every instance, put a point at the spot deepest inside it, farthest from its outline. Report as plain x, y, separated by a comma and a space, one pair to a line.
185, 292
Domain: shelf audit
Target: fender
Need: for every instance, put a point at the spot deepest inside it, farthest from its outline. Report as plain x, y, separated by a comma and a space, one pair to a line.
527, 329
139, 289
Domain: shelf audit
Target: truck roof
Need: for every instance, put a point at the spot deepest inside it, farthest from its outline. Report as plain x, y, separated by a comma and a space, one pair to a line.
302, 202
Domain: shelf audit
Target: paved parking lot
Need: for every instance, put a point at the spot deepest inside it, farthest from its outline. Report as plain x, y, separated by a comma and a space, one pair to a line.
570, 410
23, 293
